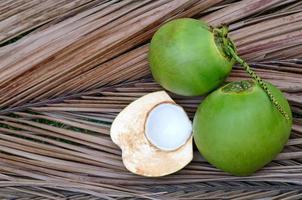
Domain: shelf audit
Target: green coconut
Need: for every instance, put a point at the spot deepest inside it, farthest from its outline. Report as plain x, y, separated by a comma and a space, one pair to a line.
190, 58
187, 57
238, 129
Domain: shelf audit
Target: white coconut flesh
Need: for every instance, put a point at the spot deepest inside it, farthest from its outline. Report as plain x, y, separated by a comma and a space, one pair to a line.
168, 127
154, 135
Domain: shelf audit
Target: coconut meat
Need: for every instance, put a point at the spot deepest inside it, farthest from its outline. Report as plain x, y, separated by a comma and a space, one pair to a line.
168, 127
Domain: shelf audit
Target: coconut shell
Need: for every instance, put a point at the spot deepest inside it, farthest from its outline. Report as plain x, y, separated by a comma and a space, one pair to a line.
138, 154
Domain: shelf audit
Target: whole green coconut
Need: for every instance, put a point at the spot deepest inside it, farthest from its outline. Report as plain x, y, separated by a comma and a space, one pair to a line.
187, 57
239, 130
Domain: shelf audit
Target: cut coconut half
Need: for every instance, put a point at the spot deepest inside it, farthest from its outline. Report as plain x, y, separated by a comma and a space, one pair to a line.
154, 134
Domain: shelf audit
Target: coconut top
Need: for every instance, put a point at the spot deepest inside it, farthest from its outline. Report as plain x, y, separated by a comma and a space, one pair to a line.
238, 87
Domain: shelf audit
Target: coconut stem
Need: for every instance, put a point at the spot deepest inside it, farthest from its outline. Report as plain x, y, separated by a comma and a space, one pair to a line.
230, 51
259, 81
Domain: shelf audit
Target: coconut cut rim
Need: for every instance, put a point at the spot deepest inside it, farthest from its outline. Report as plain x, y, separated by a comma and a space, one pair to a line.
150, 141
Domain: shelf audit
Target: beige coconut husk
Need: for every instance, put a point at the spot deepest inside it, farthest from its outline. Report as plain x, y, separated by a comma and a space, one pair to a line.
139, 155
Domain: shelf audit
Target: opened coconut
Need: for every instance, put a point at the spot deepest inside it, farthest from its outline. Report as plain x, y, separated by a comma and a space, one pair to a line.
154, 134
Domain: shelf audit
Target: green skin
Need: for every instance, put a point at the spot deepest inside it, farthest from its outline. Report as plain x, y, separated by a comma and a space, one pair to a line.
239, 130
186, 60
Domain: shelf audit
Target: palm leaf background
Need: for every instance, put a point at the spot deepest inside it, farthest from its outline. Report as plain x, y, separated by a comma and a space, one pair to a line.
67, 68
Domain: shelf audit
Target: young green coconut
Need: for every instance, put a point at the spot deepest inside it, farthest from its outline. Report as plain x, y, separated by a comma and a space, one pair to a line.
239, 130
155, 135
187, 57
